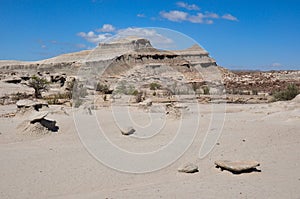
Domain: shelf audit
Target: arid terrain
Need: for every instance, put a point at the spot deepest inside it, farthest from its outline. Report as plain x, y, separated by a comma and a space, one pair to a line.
48, 148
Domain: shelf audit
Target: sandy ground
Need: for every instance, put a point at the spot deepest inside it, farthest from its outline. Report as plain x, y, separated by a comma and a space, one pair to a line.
58, 165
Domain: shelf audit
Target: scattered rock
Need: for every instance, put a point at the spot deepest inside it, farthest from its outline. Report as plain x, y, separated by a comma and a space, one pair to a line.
188, 168
180, 106
127, 131
145, 104
13, 80
237, 167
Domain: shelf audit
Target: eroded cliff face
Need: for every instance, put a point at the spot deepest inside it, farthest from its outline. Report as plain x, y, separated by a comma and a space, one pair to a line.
130, 50
133, 60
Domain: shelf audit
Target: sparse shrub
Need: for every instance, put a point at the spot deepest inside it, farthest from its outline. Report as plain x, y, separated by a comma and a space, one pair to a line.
79, 91
155, 86
195, 86
54, 99
103, 88
135, 92
254, 92
18, 96
39, 85
206, 90
105, 98
139, 97
122, 88
289, 93
130, 90
78, 102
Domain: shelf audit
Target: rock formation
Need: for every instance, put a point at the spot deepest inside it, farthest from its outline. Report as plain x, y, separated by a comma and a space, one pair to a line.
129, 64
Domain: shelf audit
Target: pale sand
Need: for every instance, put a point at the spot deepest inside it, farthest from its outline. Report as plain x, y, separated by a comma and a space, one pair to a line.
58, 165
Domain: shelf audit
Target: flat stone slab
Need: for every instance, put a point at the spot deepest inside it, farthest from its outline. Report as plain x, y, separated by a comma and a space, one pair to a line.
30, 103
188, 168
237, 166
127, 131
37, 116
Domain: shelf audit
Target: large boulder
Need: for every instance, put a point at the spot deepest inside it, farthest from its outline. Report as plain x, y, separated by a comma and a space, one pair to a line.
296, 99
237, 167
41, 117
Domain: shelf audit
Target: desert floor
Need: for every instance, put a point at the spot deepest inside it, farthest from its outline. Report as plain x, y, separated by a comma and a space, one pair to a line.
57, 165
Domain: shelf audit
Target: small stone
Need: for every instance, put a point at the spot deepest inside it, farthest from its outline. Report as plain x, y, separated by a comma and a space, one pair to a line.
188, 168
180, 106
127, 131
146, 103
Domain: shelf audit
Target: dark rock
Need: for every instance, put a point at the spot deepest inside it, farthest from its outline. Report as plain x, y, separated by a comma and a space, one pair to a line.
127, 131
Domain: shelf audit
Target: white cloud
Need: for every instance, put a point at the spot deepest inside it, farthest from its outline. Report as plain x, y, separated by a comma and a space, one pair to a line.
196, 18
80, 46
276, 64
229, 17
187, 6
94, 38
141, 15
174, 15
178, 16
156, 39
209, 21
211, 15
106, 28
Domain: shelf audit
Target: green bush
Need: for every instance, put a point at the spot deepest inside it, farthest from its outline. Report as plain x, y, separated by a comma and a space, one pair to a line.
254, 92
289, 93
126, 89
39, 85
206, 90
135, 92
155, 86
103, 88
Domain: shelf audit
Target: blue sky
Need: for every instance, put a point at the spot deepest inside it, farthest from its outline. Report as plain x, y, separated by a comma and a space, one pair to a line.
239, 34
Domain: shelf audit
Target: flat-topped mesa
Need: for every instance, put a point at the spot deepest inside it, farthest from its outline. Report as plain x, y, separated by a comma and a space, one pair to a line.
134, 49
132, 43
118, 47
